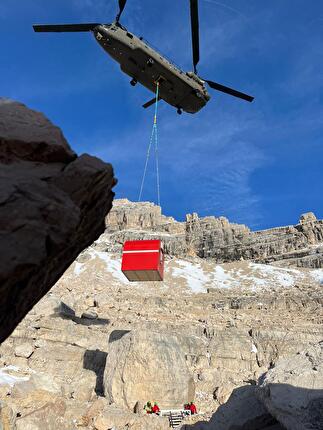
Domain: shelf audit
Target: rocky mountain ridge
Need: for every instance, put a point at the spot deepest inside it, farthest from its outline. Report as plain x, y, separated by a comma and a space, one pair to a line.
300, 245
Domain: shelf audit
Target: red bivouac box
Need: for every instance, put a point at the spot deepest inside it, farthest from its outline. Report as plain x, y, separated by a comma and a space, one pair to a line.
143, 260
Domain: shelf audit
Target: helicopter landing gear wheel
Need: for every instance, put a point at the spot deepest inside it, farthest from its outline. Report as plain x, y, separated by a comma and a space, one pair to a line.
133, 82
150, 62
179, 111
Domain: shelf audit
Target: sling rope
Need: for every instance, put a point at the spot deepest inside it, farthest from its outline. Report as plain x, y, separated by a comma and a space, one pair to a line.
153, 139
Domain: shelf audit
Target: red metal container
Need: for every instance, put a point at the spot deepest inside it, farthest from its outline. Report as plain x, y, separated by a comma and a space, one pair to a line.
143, 260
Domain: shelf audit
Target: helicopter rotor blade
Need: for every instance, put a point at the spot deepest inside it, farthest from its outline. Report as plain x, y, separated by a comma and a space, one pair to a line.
122, 4
64, 28
195, 32
230, 91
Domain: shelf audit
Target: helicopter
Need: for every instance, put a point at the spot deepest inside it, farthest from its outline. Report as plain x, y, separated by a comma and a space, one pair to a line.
186, 91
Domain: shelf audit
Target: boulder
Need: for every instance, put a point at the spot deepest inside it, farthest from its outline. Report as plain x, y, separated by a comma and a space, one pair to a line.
24, 350
293, 390
146, 365
89, 314
52, 205
243, 411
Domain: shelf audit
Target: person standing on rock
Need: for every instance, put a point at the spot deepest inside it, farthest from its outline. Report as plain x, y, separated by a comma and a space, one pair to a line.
148, 408
155, 409
192, 408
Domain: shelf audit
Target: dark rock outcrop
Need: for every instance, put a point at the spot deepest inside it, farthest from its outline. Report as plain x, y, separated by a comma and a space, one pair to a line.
52, 206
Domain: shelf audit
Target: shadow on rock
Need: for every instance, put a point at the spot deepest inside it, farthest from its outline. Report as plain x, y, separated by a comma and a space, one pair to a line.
243, 411
287, 407
65, 312
117, 334
95, 360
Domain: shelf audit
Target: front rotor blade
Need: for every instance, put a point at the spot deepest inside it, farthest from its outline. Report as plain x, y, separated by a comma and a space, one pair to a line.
64, 28
195, 32
230, 91
122, 4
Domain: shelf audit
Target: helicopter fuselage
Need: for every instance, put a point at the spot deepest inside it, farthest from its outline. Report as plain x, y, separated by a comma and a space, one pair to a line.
183, 90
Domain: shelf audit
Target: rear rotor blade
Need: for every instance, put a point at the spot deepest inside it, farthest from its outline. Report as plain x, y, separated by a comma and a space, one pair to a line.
230, 91
195, 32
64, 28
122, 4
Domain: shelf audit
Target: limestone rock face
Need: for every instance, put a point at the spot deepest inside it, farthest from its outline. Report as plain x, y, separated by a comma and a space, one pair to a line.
52, 205
146, 365
7, 417
49, 416
293, 390
217, 238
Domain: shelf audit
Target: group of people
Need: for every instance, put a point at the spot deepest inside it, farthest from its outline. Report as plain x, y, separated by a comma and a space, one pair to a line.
154, 408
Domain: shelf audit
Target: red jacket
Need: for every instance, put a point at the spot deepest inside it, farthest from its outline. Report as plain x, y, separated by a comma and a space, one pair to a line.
193, 409
155, 409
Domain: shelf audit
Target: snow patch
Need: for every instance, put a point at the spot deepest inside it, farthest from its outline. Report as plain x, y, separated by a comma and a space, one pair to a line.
7, 379
194, 275
78, 268
112, 265
223, 279
281, 277
254, 348
317, 275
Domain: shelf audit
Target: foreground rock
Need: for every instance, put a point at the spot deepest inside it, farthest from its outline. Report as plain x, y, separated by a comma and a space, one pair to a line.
288, 397
146, 365
52, 206
293, 390
243, 411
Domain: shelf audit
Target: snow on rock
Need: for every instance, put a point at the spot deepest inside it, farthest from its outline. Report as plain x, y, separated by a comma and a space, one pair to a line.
254, 348
198, 275
252, 276
263, 275
222, 278
317, 275
78, 268
7, 376
194, 275
112, 264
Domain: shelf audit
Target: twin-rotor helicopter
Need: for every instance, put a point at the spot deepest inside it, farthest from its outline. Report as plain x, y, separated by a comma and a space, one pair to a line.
186, 91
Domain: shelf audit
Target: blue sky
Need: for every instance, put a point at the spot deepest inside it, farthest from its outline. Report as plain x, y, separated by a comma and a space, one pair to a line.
260, 164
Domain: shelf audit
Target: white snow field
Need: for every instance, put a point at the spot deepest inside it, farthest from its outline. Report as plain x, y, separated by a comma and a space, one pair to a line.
198, 275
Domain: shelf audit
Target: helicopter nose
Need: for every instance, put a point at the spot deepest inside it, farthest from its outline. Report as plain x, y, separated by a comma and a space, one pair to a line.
101, 32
